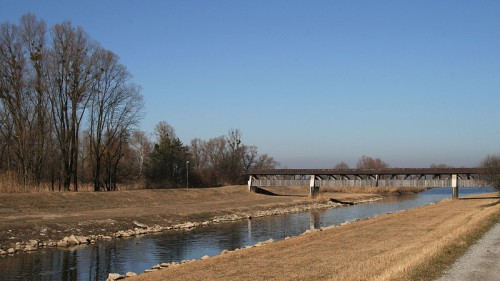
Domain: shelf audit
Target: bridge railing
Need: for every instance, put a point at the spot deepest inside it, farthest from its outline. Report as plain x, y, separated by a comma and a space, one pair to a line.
370, 182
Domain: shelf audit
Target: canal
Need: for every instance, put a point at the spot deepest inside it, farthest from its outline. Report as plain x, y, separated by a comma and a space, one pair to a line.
94, 262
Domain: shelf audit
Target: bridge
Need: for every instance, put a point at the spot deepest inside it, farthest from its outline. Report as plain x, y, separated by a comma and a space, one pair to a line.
395, 177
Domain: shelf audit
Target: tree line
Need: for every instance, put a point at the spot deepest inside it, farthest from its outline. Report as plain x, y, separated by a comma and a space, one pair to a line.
66, 104
69, 114
218, 161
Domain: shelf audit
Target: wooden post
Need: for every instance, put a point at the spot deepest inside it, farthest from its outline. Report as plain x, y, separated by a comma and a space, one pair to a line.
454, 187
251, 187
314, 190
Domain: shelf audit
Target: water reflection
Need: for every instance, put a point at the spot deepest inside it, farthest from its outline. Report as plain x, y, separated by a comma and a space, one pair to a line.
94, 262
42, 265
314, 219
249, 226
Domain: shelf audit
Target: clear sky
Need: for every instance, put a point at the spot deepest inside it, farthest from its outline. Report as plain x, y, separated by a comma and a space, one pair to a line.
311, 83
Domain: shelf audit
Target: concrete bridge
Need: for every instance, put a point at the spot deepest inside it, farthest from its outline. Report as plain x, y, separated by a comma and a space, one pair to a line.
396, 177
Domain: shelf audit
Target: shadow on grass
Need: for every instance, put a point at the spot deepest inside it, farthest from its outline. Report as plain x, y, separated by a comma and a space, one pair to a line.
483, 198
260, 190
341, 202
479, 198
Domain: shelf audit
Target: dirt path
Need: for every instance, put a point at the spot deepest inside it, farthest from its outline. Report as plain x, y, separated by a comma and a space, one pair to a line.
52, 216
408, 245
481, 262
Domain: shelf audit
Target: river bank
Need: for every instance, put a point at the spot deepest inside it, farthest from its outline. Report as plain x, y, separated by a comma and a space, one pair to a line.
417, 244
35, 220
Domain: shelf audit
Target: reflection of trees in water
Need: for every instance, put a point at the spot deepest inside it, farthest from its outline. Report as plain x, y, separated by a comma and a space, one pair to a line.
70, 262
102, 260
50, 264
231, 238
172, 246
194, 244
275, 227
92, 262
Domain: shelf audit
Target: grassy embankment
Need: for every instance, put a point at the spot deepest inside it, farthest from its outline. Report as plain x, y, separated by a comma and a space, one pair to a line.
411, 245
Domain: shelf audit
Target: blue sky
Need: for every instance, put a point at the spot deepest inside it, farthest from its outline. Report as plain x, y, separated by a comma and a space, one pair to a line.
311, 83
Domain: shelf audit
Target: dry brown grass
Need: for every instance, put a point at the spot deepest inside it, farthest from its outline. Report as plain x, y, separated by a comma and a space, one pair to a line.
389, 247
9, 183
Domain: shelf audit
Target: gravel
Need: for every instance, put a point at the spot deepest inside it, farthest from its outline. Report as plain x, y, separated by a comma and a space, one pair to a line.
480, 262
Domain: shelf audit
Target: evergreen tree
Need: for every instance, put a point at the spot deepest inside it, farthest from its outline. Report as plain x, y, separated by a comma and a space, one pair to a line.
166, 165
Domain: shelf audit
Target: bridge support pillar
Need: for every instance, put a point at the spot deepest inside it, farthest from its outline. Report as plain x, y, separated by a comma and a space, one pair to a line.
454, 187
251, 187
314, 190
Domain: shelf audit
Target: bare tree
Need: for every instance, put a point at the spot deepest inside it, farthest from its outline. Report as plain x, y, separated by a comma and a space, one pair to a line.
47, 89
264, 161
14, 101
215, 149
342, 166
252, 159
5, 139
23, 95
232, 162
114, 110
33, 37
70, 68
492, 163
225, 159
199, 157
366, 162
163, 130
440, 166
142, 147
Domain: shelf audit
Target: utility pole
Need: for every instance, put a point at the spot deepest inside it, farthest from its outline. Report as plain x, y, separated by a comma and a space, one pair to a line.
187, 174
